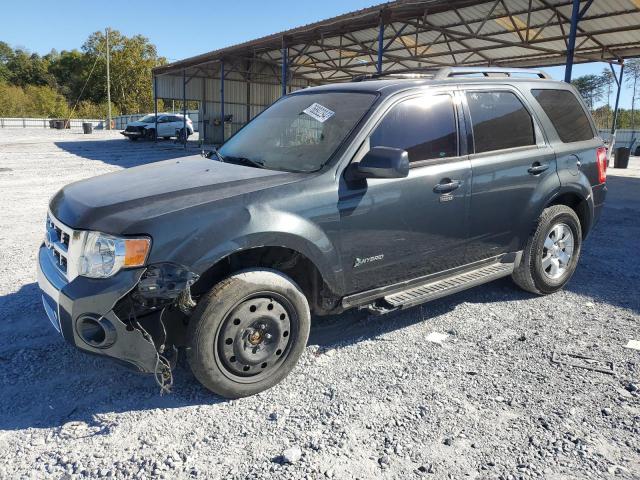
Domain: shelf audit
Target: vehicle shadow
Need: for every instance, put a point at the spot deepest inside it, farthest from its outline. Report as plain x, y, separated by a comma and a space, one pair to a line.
47, 382
125, 153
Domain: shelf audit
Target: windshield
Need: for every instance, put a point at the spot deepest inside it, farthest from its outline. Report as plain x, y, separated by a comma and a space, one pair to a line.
148, 119
298, 133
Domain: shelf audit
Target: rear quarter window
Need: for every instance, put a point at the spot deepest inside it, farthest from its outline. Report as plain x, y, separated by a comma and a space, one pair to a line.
566, 114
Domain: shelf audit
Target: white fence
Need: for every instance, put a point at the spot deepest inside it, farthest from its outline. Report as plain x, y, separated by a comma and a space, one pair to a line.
122, 120
45, 122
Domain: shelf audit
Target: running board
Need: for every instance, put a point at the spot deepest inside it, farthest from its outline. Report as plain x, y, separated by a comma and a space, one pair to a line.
447, 286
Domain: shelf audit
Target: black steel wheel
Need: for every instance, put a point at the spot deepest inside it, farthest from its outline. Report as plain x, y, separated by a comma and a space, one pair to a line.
254, 338
248, 333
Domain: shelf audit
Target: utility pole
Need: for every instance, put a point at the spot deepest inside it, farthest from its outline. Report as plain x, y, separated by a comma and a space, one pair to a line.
108, 81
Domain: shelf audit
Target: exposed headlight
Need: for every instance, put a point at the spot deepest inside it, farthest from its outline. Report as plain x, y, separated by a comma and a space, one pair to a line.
104, 255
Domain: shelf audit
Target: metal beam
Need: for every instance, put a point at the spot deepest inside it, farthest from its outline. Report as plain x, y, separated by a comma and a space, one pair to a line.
584, 9
615, 110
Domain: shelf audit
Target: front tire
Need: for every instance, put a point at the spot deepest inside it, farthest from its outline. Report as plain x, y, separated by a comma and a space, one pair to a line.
551, 255
248, 333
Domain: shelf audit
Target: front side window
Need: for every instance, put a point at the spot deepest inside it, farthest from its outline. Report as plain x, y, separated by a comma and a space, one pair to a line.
148, 119
566, 114
499, 121
423, 126
298, 133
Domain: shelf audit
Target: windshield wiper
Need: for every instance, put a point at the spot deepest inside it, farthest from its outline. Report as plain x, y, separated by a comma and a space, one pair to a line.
244, 161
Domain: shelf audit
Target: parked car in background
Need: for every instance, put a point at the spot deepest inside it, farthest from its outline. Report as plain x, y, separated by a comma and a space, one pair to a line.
168, 124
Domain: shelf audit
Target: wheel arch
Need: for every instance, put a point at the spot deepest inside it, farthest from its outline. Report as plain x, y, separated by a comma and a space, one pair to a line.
579, 202
318, 286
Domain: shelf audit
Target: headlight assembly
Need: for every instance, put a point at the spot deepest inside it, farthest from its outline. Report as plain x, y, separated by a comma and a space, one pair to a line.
104, 255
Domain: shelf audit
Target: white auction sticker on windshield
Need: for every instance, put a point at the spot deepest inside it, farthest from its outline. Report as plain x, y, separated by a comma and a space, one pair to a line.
318, 112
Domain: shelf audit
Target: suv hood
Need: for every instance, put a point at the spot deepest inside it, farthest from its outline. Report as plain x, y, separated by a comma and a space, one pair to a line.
114, 202
139, 124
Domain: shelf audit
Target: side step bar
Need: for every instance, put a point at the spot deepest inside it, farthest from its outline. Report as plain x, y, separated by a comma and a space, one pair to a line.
447, 286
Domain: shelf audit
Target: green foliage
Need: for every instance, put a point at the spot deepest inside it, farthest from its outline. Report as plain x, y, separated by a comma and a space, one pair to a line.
53, 84
31, 101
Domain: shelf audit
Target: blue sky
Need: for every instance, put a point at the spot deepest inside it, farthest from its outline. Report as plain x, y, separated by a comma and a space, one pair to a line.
40, 26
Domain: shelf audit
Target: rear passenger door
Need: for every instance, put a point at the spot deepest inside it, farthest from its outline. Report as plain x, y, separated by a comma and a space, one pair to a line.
511, 163
576, 140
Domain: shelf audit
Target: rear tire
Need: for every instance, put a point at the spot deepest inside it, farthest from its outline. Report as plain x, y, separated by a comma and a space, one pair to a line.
552, 252
248, 333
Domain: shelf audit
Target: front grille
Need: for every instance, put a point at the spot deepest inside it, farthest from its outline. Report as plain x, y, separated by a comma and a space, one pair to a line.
59, 240
131, 128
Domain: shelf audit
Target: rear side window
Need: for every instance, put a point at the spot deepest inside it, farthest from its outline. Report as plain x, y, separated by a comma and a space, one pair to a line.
566, 114
499, 121
423, 126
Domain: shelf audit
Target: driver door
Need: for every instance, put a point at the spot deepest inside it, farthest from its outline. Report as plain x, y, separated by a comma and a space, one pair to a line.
393, 230
164, 127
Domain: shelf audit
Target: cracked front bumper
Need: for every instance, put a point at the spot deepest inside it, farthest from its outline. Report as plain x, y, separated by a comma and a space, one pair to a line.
67, 303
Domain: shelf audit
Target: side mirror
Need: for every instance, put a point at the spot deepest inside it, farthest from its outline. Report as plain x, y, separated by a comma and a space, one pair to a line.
383, 162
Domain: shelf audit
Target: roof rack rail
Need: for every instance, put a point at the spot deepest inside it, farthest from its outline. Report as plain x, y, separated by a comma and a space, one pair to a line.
448, 72
403, 74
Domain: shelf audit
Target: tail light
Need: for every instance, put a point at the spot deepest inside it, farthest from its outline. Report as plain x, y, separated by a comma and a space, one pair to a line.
601, 157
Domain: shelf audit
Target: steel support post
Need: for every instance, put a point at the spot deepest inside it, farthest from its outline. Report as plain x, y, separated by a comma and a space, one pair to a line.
285, 61
155, 107
380, 45
571, 46
615, 110
222, 74
184, 108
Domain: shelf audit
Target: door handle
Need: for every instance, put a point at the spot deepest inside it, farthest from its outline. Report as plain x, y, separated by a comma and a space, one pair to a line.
537, 169
447, 186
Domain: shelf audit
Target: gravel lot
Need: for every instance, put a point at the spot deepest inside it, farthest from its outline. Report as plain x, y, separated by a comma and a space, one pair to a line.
370, 399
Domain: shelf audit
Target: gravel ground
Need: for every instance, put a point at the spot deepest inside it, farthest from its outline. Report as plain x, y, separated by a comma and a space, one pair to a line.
371, 397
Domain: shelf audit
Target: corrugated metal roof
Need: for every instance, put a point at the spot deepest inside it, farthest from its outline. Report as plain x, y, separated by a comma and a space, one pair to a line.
433, 33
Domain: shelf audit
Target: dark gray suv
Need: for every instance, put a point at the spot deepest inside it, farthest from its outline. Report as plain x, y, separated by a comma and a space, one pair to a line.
379, 194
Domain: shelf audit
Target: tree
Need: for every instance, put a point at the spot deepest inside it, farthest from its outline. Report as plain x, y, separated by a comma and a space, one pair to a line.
632, 68
590, 87
29, 69
608, 80
131, 61
6, 52
75, 80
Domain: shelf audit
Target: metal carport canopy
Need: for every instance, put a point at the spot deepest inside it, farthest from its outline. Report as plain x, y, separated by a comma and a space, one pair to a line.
412, 35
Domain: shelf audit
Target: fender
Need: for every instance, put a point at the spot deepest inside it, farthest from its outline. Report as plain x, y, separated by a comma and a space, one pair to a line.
252, 226
583, 191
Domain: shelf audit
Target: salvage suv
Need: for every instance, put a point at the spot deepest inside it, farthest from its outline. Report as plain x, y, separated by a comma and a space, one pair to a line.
376, 194
167, 125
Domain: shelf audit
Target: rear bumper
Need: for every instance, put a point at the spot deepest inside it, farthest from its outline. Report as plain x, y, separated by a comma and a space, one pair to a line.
86, 301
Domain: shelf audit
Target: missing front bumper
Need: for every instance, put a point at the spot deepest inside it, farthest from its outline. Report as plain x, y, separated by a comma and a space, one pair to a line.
69, 304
